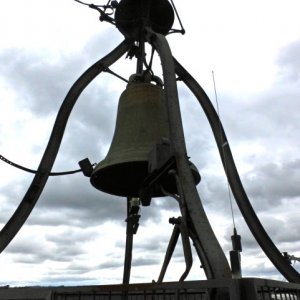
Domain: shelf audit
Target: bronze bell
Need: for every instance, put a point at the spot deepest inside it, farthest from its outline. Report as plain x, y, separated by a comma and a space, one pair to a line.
141, 122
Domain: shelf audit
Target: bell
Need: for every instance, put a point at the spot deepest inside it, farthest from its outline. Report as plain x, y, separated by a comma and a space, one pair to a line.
141, 122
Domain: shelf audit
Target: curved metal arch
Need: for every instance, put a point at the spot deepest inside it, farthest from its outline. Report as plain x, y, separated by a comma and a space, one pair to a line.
236, 185
31, 197
208, 248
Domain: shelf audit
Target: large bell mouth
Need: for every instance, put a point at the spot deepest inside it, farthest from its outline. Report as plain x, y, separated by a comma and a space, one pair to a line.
141, 123
123, 179
129, 186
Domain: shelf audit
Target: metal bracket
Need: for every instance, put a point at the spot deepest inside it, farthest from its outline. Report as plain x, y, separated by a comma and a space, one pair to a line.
179, 228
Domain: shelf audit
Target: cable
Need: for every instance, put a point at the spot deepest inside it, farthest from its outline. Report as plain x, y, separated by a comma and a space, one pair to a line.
108, 70
182, 31
223, 153
104, 16
34, 171
88, 4
39, 181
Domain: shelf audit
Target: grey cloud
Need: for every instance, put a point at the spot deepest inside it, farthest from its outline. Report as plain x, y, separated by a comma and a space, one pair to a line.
166, 203
23, 247
284, 234
60, 278
152, 244
29, 259
143, 261
270, 116
40, 83
198, 135
269, 119
266, 186
261, 270
71, 200
214, 192
77, 202
92, 121
282, 231
92, 204
289, 61
38, 251
111, 264
80, 268
101, 44
71, 236
28, 253
43, 83
11, 194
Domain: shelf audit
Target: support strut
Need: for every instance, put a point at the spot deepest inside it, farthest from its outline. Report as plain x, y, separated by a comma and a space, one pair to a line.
34, 191
213, 258
234, 180
179, 228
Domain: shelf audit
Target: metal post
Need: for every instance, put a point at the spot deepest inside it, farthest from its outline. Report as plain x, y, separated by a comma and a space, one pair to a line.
128, 248
216, 265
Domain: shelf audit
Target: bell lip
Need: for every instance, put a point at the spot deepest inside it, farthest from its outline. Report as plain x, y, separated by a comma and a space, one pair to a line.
103, 179
115, 179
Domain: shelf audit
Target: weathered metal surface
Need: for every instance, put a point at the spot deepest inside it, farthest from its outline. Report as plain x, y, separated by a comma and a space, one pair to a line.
141, 122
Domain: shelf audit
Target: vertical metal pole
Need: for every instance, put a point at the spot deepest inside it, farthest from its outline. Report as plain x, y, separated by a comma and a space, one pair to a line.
128, 248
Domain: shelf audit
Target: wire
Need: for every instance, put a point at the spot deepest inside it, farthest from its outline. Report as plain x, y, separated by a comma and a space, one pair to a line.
82, 2
104, 16
34, 171
93, 5
223, 144
182, 30
107, 70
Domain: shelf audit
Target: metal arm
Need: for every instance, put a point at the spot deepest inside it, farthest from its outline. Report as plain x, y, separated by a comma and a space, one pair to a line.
214, 263
39, 181
237, 188
179, 228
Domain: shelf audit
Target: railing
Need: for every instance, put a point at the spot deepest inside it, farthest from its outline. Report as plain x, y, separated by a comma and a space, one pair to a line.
226, 289
188, 290
233, 289
263, 289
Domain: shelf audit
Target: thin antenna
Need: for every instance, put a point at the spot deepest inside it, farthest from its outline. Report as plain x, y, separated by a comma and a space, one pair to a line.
223, 153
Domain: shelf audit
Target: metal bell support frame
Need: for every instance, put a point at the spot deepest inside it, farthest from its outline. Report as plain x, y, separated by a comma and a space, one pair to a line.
143, 21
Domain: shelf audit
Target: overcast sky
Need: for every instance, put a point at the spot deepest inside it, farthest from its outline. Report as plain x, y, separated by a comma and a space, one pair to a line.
76, 234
